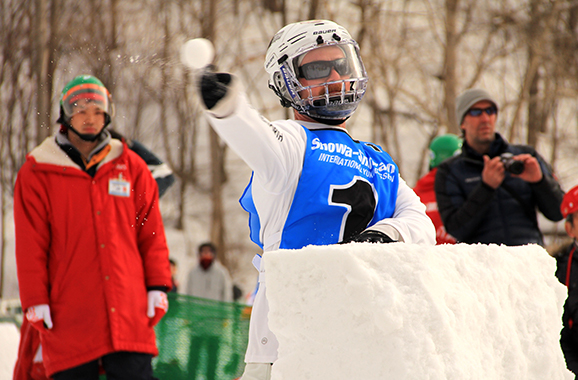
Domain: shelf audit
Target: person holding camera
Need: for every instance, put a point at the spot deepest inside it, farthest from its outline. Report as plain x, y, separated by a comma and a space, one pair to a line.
490, 192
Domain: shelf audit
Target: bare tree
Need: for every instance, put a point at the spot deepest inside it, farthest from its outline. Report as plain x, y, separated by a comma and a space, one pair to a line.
218, 178
42, 35
16, 88
449, 66
419, 55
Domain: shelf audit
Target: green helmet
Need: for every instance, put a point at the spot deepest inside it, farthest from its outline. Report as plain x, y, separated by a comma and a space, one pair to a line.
81, 90
443, 147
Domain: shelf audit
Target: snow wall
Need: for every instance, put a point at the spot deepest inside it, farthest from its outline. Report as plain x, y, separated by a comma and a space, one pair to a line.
404, 311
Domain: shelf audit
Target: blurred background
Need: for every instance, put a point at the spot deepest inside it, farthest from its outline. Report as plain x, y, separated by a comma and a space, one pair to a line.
419, 55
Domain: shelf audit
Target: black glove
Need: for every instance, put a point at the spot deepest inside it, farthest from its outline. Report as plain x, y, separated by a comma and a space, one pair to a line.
370, 236
213, 87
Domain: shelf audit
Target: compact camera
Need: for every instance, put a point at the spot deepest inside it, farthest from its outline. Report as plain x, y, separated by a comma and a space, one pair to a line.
512, 165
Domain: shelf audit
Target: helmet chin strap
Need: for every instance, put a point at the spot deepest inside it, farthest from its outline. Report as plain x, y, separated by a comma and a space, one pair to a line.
90, 137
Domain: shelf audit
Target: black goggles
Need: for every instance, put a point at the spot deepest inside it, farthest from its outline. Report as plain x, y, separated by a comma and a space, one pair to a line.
322, 69
475, 112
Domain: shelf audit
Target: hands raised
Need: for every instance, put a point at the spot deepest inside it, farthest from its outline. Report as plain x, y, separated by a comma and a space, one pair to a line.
494, 171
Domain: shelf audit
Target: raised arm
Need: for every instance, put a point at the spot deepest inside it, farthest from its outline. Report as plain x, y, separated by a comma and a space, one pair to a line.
271, 150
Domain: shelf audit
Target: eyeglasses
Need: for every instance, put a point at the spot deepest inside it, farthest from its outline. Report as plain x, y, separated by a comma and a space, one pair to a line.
475, 112
322, 69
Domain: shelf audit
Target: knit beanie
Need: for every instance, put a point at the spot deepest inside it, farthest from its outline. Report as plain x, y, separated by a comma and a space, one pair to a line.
468, 98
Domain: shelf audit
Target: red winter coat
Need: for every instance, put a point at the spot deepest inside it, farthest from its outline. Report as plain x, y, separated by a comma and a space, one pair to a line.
89, 254
25, 367
424, 188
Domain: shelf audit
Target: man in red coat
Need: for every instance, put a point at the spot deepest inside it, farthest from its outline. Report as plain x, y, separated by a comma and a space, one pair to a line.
441, 148
91, 252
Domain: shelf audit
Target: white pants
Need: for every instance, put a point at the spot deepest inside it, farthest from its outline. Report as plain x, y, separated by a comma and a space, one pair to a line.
257, 371
262, 346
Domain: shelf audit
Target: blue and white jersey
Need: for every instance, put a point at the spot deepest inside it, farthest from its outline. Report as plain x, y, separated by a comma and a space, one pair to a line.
345, 186
311, 184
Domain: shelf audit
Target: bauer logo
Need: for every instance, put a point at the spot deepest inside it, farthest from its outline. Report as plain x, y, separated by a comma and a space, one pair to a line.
324, 31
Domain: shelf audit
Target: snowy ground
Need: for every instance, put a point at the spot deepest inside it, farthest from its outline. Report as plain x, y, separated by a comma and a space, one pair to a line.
400, 311
9, 337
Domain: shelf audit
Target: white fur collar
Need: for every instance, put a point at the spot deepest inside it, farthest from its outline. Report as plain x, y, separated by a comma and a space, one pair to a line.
48, 152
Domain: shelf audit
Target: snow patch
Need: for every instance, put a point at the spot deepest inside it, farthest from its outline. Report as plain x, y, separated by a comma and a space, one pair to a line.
403, 311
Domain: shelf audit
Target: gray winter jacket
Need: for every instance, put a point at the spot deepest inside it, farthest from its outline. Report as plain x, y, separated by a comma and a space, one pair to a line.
213, 283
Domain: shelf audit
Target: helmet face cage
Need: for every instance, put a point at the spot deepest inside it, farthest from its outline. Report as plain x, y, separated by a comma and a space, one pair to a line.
329, 103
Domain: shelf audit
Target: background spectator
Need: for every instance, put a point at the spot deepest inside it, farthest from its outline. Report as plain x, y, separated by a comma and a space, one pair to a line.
210, 280
441, 148
83, 262
490, 192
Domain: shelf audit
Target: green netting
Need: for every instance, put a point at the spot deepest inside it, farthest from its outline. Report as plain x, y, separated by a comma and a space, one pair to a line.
200, 339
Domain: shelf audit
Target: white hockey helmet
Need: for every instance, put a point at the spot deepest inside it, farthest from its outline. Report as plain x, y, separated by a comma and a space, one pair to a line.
284, 55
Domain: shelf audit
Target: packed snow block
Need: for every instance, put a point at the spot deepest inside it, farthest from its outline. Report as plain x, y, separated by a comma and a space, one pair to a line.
403, 311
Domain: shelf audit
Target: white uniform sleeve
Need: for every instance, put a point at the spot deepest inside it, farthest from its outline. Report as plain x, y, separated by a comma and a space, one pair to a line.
274, 151
409, 219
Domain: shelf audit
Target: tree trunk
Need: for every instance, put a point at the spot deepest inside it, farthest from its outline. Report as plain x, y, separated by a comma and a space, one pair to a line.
217, 162
313, 7
534, 105
534, 112
217, 219
44, 91
449, 69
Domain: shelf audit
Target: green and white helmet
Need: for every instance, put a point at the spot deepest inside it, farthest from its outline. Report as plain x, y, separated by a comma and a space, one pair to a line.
443, 147
80, 91
88, 88
282, 62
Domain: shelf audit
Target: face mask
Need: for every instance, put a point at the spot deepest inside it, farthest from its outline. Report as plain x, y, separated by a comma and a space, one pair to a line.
206, 262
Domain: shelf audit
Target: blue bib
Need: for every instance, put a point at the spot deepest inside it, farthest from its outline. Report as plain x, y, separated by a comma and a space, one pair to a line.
345, 187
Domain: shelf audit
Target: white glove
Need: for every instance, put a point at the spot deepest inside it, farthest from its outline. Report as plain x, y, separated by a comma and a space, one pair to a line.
39, 316
158, 305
